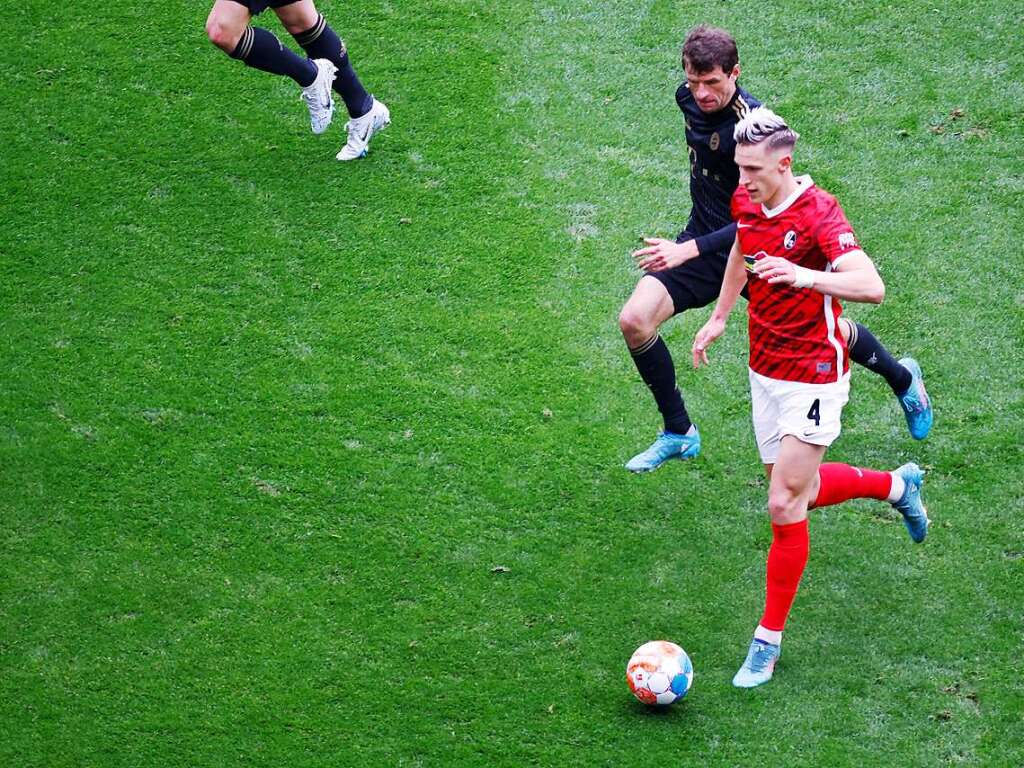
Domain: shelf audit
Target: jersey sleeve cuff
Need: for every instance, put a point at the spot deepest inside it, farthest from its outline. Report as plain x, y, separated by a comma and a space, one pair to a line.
836, 262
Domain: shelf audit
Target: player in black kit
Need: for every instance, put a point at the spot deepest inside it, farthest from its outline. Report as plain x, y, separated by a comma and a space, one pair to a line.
688, 272
326, 67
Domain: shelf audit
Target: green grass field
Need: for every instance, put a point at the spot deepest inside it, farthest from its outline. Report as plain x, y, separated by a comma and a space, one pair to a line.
312, 464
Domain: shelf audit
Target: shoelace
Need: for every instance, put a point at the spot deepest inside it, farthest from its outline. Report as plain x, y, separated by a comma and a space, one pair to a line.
760, 657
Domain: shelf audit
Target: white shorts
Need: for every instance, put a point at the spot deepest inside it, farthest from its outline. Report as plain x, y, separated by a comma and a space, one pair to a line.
810, 412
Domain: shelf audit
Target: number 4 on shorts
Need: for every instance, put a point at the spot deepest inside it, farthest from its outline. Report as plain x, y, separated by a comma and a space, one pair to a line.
815, 413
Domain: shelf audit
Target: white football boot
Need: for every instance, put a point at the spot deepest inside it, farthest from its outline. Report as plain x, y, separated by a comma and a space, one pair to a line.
318, 96
759, 665
361, 130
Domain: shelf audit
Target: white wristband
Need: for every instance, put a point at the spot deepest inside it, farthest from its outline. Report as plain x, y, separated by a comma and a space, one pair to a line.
804, 277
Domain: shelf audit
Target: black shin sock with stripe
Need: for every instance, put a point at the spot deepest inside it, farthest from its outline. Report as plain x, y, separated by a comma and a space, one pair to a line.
868, 351
654, 362
260, 49
321, 42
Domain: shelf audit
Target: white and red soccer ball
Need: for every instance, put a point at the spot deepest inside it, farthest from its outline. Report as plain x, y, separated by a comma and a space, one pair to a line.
659, 673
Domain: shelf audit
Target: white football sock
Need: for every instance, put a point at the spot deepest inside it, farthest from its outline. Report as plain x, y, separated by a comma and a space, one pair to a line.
773, 636
899, 485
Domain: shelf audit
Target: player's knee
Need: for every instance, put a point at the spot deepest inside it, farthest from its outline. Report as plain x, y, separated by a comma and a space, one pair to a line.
784, 506
634, 325
222, 35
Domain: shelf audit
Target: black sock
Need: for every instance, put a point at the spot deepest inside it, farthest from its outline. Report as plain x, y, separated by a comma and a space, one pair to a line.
260, 49
869, 352
321, 42
654, 362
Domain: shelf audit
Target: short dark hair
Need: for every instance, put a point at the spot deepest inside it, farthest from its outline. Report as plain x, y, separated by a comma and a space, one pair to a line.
707, 47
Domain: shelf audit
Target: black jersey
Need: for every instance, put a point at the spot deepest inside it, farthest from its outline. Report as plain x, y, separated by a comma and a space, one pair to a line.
713, 172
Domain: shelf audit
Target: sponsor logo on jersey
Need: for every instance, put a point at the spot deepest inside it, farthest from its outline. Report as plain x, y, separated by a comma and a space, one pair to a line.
824, 368
847, 240
714, 141
789, 240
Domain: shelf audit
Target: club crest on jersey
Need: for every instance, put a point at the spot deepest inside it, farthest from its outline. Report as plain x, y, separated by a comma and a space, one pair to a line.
789, 240
714, 141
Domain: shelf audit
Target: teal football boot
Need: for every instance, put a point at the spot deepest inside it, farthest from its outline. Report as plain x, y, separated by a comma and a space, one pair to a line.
910, 505
668, 445
916, 405
759, 665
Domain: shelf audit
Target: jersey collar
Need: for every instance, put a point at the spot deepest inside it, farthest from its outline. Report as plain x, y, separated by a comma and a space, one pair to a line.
803, 183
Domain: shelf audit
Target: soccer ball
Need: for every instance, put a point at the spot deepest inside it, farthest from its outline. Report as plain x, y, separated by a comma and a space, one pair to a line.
659, 673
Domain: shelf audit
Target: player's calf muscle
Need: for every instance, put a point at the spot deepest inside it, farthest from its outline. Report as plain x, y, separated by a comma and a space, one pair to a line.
298, 17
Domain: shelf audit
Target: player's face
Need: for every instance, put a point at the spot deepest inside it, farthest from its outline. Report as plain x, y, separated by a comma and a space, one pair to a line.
762, 170
712, 89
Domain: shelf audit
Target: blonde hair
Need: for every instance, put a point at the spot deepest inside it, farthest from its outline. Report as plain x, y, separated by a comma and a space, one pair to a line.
761, 124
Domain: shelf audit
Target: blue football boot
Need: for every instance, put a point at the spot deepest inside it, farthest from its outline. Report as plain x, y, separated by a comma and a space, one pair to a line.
759, 665
910, 505
667, 446
915, 402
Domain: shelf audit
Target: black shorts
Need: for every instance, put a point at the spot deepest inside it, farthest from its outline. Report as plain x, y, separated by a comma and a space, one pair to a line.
256, 7
696, 283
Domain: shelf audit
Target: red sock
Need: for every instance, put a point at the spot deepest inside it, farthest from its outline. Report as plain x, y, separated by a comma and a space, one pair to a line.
841, 482
787, 557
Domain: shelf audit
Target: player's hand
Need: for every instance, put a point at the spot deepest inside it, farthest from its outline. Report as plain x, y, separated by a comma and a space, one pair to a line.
705, 337
660, 254
775, 269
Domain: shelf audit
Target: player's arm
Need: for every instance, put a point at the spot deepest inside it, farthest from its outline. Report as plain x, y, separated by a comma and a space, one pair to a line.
732, 285
662, 254
716, 241
853, 277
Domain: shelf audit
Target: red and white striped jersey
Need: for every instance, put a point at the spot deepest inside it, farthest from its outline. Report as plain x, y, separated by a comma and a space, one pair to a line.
794, 332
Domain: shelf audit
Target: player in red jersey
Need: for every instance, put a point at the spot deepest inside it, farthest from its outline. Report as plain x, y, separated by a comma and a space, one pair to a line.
687, 274
798, 256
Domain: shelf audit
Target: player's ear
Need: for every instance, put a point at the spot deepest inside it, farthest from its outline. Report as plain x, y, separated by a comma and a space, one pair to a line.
734, 75
785, 162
